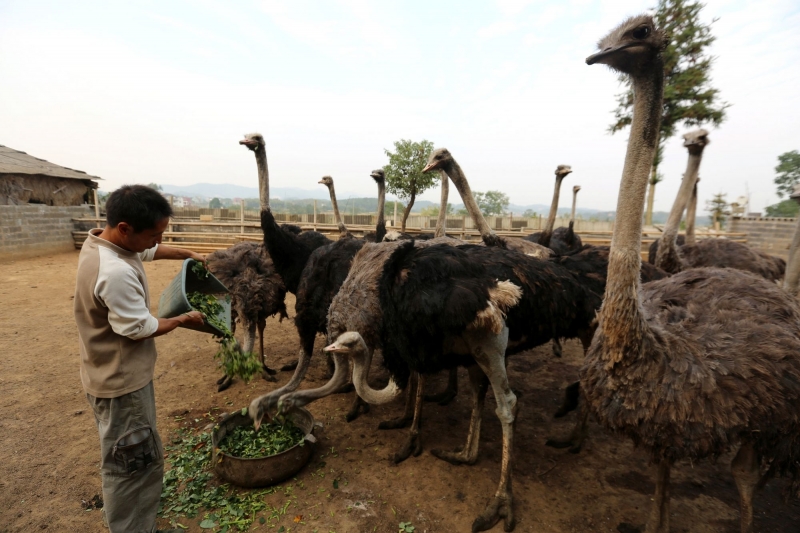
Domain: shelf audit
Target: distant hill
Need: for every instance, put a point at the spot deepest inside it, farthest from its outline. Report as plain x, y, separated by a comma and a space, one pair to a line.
216, 190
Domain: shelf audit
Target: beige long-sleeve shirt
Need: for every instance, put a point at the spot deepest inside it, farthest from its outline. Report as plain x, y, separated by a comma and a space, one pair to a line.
112, 311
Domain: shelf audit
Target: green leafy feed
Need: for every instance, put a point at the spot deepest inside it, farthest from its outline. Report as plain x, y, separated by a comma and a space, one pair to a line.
270, 439
232, 359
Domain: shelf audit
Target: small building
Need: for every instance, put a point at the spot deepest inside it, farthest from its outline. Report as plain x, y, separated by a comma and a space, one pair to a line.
25, 179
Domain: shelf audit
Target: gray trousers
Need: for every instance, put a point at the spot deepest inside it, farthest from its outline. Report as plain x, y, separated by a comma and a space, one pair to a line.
132, 459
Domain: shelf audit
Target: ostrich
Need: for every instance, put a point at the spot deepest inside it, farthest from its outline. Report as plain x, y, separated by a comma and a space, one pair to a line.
380, 227
694, 364
791, 281
691, 216
289, 251
441, 159
343, 232
321, 279
562, 240
257, 292
708, 252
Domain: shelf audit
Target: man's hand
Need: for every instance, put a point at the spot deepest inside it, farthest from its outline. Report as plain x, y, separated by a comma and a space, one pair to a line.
192, 317
198, 257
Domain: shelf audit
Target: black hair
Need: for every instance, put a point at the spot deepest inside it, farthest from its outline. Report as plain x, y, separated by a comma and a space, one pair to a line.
139, 206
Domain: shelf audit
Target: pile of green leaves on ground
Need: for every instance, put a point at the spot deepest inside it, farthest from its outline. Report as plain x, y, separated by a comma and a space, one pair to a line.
271, 438
189, 489
233, 360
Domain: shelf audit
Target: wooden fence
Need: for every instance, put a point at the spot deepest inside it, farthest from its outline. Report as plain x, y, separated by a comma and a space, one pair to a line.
205, 236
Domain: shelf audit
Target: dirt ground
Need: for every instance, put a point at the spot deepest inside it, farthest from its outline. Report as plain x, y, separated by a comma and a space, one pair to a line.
51, 453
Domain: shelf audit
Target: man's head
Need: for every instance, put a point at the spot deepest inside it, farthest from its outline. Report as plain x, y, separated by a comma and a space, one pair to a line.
138, 215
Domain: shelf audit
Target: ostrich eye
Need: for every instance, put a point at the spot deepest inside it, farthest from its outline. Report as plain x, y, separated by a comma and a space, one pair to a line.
641, 32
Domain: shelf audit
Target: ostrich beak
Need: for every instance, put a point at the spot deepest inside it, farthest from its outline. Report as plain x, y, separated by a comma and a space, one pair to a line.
321, 182
335, 348
247, 142
611, 50
429, 167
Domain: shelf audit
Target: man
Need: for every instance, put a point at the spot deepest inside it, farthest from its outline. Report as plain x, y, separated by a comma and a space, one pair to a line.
118, 352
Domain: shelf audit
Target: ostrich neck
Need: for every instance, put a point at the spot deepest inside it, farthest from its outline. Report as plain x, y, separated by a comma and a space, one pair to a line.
441, 222
361, 362
620, 316
574, 203
339, 223
381, 201
547, 233
460, 181
791, 279
263, 177
681, 201
691, 214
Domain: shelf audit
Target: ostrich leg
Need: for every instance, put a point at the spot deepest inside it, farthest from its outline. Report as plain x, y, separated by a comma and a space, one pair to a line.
266, 372
448, 394
225, 381
408, 412
557, 348
659, 513
746, 474
413, 444
468, 454
489, 352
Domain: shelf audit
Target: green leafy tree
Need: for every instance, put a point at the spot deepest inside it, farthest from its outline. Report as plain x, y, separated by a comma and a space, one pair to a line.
215, 203
529, 213
404, 177
689, 99
719, 210
492, 202
786, 208
155, 186
788, 170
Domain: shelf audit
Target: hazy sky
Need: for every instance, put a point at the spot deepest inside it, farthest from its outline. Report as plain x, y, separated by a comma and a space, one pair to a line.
162, 91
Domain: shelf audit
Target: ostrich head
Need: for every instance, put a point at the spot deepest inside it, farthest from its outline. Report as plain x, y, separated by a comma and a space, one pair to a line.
326, 181
562, 171
575, 189
378, 175
631, 46
253, 141
346, 343
695, 141
439, 158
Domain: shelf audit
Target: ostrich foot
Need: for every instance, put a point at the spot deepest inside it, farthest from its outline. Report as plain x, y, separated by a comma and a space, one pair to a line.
289, 367
457, 457
223, 383
395, 423
574, 442
501, 506
356, 409
411, 446
571, 396
268, 376
268, 370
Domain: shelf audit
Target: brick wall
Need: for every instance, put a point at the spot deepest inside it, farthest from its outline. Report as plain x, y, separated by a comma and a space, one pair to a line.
771, 235
31, 229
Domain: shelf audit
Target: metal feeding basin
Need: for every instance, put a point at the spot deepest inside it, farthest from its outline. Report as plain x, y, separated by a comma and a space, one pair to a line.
262, 471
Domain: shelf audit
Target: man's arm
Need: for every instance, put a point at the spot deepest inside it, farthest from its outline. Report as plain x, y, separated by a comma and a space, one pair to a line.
165, 325
168, 252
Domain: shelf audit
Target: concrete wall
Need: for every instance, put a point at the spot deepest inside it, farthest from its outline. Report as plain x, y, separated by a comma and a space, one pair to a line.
771, 235
31, 229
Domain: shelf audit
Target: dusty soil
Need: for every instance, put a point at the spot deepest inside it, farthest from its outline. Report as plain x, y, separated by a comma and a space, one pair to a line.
50, 445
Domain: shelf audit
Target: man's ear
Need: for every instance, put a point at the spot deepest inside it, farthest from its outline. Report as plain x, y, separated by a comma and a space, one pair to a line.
125, 229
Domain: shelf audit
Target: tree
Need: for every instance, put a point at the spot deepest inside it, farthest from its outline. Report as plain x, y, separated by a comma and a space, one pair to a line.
689, 99
788, 170
155, 186
492, 202
717, 207
404, 177
529, 213
215, 204
787, 208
